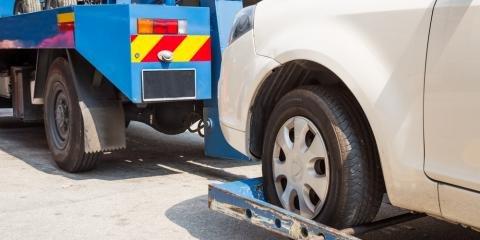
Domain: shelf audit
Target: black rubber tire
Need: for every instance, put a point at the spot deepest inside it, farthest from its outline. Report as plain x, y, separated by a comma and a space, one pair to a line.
26, 6
60, 3
356, 183
68, 150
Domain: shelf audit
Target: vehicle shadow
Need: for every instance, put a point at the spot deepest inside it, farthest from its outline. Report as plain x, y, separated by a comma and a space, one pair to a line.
202, 223
424, 228
148, 153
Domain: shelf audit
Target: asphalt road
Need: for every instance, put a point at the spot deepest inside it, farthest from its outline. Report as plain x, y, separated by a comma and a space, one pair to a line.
155, 189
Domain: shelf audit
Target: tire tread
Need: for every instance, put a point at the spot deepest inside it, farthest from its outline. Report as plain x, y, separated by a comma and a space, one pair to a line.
362, 173
87, 162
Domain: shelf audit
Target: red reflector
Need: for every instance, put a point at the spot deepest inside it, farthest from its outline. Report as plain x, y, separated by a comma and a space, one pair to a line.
161, 26
65, 27
164, 26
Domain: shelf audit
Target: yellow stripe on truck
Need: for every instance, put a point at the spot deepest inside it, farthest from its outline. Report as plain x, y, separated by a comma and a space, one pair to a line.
188, 48
142, 45
66, 17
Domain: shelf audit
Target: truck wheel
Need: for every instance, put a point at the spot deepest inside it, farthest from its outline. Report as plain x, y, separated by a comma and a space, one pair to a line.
63, 120
26, 6
319, 160
60, 3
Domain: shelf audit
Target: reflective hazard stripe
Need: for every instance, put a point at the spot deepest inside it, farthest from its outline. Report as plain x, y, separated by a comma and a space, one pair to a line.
142, 45
185, 48
66, 17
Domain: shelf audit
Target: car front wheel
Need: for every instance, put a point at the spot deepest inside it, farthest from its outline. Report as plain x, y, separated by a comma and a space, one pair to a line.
320, 160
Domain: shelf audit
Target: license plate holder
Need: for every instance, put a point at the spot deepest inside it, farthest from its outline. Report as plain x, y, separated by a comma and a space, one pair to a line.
168, 84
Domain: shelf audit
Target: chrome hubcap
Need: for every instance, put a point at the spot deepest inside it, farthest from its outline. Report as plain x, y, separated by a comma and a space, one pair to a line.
301, 167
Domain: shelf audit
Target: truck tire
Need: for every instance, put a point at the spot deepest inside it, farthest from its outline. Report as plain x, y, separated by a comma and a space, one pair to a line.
60, 3
63, 121
26, 6
320, 159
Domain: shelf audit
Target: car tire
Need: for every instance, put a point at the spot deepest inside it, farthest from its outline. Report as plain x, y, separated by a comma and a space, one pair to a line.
26, 6
350, 181
63, 121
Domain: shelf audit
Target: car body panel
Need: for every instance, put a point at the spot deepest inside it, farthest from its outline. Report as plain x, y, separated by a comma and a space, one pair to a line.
452, 99
460, 205
237, 94
254, 68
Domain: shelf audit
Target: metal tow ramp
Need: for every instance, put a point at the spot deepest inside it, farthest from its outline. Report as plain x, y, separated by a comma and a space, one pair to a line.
244, 200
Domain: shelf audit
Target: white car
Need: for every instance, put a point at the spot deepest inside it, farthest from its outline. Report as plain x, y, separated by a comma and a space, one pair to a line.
346, 100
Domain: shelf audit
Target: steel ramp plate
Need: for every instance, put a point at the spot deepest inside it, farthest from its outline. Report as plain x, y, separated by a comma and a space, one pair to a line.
244, 200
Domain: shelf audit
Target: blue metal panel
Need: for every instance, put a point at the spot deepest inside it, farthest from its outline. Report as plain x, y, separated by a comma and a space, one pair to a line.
222, 16
102, 35
133, 1
198, 19
171, 2
35, 30
248, 188
6, 7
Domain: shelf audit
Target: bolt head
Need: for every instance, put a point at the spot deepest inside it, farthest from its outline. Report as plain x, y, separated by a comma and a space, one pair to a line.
165, 56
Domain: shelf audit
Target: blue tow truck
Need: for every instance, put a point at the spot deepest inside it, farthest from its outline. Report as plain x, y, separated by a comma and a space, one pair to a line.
86, 68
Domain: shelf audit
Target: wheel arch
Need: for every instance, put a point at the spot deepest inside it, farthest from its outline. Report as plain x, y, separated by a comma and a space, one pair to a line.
281, 80
291, 75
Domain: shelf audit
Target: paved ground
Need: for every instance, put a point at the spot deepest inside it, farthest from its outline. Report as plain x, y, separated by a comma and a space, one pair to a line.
156, 189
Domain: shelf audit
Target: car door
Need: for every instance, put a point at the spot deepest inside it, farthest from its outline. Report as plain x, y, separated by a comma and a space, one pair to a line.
452, 95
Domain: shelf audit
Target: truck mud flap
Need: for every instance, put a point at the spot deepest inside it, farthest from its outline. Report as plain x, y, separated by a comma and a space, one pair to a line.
102, 110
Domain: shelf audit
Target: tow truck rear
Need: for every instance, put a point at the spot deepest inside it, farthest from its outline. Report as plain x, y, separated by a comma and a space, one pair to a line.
88, 70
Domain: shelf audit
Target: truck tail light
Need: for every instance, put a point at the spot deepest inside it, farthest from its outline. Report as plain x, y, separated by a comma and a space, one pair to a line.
161, 26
